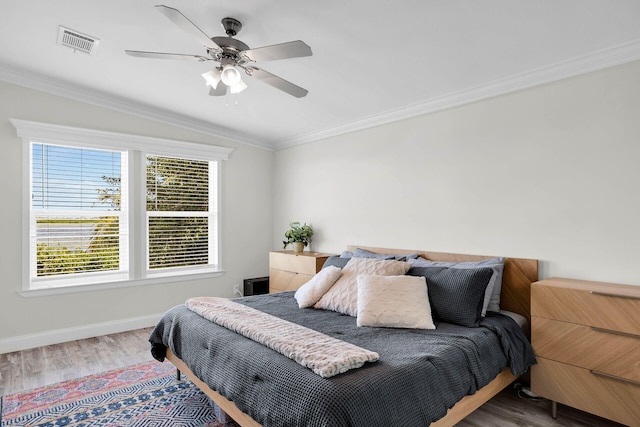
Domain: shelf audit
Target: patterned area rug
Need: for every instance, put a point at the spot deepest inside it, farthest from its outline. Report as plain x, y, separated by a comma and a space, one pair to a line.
146, 394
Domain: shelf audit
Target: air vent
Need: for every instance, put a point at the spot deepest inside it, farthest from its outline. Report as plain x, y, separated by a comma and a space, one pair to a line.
77, 41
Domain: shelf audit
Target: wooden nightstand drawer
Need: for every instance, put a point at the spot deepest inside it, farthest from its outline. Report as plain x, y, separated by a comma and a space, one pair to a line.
304, 262
602, 350
587, 390
282, 281
603, 305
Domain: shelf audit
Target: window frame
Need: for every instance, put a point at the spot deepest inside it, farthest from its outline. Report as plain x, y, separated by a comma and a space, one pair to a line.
137, 148
213, 194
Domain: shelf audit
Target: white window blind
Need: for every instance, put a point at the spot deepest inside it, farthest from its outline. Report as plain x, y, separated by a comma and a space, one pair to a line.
181, 212
78, 221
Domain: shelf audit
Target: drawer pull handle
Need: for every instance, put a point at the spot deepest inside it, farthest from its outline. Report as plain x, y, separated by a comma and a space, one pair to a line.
609, 331
605, 294
613, 377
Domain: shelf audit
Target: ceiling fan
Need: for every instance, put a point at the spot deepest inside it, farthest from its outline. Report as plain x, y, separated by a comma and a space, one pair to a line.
232, 54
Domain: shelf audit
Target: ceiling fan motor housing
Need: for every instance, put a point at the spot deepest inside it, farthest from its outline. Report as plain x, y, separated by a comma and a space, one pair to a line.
231, 26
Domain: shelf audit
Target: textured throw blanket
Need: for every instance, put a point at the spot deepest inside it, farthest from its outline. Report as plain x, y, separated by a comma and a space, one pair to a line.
324, 355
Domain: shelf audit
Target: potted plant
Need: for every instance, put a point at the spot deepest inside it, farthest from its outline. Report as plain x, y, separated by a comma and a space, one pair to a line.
298, 235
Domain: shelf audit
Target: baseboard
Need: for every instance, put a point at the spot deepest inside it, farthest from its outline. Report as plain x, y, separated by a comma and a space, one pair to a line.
56, 336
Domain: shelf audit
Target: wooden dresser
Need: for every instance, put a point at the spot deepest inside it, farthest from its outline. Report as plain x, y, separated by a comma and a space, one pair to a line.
586, 336
289, 270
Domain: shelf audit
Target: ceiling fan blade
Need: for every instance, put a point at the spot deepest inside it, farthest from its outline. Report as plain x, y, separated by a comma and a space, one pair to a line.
292, 49
161, 55
185, 23
220, 90
277, 82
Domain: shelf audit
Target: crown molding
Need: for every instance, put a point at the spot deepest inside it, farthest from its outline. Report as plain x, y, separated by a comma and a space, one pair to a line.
87, 95
51, 133
572, 67
605, 58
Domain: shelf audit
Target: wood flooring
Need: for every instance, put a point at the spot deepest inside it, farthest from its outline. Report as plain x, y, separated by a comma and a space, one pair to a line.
24, 370
27, 369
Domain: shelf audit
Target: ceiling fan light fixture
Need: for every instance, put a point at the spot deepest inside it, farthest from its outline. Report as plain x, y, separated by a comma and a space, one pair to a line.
237, 88
212, 77
230, 75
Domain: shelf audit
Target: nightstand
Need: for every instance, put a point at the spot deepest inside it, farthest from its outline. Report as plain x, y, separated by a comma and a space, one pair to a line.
586, 337
289, 270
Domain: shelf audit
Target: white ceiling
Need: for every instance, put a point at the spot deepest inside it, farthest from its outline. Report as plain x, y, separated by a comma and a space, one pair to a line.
373, 61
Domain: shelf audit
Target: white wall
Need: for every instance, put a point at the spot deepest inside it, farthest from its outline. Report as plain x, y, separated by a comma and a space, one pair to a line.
551, 173
245, 234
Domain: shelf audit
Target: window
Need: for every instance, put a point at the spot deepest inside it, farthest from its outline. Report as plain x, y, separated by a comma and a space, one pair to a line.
77, 223
181, 226
109, 209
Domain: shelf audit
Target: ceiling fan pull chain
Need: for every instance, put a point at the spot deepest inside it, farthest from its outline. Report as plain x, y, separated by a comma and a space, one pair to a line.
234, 101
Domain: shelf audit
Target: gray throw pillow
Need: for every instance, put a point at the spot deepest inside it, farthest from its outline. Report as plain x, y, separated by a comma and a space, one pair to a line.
455, 294
491, 294
363, 253
336, 261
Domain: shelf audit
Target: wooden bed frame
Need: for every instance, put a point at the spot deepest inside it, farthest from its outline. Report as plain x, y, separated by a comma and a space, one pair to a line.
518, 275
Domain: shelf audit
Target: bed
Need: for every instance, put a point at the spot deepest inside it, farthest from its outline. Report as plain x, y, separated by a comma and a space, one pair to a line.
274, 387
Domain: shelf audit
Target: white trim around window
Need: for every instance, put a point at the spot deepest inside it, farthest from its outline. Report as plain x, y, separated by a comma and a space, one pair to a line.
132, 270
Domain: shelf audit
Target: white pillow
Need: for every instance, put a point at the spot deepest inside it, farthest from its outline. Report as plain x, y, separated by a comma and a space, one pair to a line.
394, 302
343, 295
311, 292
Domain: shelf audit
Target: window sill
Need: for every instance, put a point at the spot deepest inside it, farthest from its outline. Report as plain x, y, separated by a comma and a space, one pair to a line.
71, 289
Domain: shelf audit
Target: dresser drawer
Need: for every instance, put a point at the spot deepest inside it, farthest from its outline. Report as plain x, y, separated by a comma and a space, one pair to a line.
607, 306
281, 280
305, 262
602, 350
583, 389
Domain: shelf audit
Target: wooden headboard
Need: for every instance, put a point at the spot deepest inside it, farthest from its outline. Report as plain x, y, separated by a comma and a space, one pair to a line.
519, 274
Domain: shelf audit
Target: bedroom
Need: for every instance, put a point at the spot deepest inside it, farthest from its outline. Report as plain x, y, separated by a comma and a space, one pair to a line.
546, 172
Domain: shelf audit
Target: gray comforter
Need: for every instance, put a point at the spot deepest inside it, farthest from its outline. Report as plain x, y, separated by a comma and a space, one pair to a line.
420, 374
